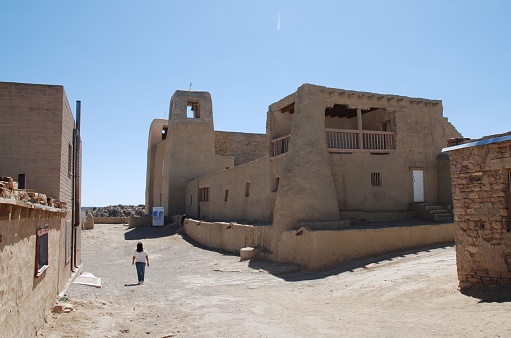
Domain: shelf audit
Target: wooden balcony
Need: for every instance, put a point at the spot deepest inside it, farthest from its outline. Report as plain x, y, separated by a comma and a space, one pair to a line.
343, 140
279, 145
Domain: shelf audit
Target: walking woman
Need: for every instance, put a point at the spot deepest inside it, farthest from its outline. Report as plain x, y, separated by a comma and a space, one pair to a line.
140, 257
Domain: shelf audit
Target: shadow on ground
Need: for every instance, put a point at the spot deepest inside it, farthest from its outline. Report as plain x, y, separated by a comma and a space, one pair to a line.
140, 233
490, 294
295, 273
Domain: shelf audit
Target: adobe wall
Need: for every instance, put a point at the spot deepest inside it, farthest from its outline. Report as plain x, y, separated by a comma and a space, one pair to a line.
227, 236
155, 137
25, 300
324, 248
42, 156
256, 207
319, 249
306, 189
245, 147
481, 212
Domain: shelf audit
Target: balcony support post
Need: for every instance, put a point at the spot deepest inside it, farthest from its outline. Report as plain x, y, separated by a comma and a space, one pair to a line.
360, 129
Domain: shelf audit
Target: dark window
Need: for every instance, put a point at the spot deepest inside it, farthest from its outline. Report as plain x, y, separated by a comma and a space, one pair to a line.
164, 132
70, 160
276, 184
247, 189
41, 254
69, 236
226, 195
204, 194
375, 179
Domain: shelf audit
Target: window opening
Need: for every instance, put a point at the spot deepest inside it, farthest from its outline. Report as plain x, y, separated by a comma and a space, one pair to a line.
375, 179
70, 160
164, 132
276, 184
204, 194
193, 110
247, 189
226, 196
41, 252
69, 233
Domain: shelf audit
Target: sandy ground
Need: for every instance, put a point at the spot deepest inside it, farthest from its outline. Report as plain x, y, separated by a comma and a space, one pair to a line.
193, 292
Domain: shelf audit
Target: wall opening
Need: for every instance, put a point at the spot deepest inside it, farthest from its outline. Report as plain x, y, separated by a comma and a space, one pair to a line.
70, 160
226, 195
41, 252
375, 179
164, 132
192, 110
247, 189
276, 183
204, 194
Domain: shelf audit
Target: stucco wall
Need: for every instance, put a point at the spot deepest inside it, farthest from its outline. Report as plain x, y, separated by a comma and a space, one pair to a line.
245, 147
319, 249
230, 237
25, 300
481, 190
256, 207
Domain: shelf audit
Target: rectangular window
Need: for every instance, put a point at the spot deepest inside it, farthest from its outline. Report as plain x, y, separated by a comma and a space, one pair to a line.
204, 194
69, 236
70, 160
247, 189
276, 184
192, 110
375, 179
164, 132
226, 196
41, 251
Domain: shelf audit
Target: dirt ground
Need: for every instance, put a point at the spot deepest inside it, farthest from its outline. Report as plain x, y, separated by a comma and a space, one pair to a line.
194, 292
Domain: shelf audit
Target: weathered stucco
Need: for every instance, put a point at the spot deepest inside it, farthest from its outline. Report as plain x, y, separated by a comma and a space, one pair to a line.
317, 249
327, 152
25, 300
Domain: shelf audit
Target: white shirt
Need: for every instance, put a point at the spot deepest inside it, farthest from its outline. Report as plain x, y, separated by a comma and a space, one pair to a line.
140, 256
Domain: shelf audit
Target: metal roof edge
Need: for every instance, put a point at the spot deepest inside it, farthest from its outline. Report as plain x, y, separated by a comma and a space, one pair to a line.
479, 143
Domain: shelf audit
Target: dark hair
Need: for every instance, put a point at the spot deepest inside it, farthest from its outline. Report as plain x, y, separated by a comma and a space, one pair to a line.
140, 247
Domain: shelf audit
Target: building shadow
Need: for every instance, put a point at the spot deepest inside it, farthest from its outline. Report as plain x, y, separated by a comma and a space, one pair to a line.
490, 294
139, 233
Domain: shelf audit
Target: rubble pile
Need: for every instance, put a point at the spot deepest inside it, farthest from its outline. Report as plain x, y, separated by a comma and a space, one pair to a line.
9, 190
118, 211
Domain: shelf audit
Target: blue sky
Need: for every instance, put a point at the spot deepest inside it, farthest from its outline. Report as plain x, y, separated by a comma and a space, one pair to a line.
124, 59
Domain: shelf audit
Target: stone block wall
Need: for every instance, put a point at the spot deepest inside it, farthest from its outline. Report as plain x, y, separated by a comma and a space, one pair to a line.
480, 181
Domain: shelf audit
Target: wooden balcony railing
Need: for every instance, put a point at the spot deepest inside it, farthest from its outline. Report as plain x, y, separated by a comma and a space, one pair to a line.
342, 140
373, 141
279, 145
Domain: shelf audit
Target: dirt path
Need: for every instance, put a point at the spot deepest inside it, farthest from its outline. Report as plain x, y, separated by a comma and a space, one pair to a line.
192, 292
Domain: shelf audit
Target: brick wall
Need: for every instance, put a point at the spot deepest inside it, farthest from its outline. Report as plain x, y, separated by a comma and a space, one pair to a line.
481, 211
35, 131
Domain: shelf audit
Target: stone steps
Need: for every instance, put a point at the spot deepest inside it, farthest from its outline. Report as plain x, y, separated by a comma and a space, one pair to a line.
432, 212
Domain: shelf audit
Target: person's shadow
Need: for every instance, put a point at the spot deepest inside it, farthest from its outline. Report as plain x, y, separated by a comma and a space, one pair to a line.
134, 284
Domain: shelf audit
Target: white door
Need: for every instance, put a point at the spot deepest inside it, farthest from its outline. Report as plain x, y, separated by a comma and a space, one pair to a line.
418, 186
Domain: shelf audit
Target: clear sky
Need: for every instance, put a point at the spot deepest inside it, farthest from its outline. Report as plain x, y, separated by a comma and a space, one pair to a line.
124, 60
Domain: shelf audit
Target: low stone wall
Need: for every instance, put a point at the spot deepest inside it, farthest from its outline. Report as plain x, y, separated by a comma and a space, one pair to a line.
140, 221
230, 237
375, 216
110, 220
319, 248
324, 248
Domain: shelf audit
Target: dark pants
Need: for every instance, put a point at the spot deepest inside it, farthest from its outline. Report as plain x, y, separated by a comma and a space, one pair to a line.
140, 271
